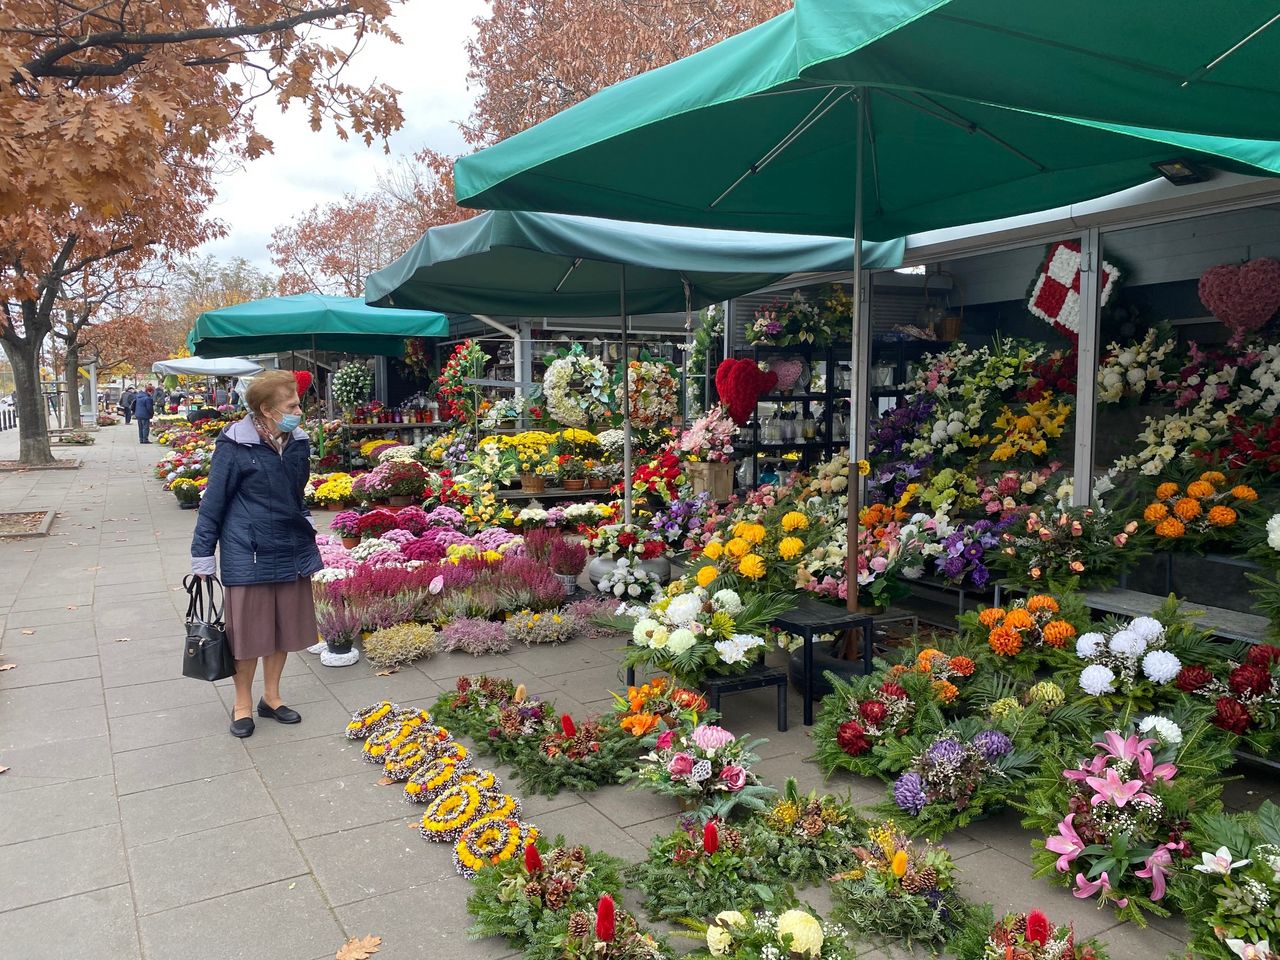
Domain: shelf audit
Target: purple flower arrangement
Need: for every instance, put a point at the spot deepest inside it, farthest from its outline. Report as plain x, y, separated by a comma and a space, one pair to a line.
681, 521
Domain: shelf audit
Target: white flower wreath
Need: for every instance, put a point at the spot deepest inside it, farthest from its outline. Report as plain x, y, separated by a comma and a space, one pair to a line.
576, 388
352, 385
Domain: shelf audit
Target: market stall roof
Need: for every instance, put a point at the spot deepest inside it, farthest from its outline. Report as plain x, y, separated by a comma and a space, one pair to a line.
524, 264
310, 321
202, 367
753, 134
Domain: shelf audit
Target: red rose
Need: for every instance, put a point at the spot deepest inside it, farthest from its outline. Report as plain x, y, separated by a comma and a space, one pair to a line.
891, 689
1263, 655
852, 738
1249, 679
1191, 679
873, 711
1230, 715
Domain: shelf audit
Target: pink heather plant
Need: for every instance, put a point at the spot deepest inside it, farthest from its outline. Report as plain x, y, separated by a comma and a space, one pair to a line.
477, 637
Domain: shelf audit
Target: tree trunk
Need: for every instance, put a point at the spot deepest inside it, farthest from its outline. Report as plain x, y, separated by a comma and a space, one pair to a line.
33, 426
72, 376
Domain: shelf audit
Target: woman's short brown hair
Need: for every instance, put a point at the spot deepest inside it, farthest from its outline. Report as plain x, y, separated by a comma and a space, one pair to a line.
268, 388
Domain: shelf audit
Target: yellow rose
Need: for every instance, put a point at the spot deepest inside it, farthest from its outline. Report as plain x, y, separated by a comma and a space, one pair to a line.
795, 520
713, 550
804, 930
790, 548
752, 566
738, 547
706, 575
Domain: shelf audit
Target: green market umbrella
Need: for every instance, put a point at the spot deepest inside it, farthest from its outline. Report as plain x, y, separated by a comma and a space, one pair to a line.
310, 321
521, 264
546, 264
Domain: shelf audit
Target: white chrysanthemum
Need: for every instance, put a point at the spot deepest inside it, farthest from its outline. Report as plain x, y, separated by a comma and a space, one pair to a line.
1273, 532
1128, 644
680, 641
1164, 728
1161, 666
728, 601
1148, 628
684, 609
643, 630
1096, 680
1088, 645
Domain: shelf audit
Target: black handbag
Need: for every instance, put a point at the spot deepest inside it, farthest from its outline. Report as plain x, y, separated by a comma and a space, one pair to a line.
206, 653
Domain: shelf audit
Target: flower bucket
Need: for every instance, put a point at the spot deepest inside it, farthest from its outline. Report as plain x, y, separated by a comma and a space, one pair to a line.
597, 483
714, 479
574, 484
401, 501
350, 542
533, 483
569, 582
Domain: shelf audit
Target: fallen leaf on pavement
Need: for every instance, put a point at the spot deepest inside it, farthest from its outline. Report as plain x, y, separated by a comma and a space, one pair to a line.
3, 769
27, 633
385, 782
358, 949
387, 673
6, 666
122, 639
72, 606
92, 569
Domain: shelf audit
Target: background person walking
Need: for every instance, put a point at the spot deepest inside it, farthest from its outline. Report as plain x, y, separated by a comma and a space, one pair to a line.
144, 408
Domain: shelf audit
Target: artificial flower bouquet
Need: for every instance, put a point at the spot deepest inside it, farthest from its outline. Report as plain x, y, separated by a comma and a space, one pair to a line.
657, 703
454, 395
1135, 661
1205, 511
577, 389
804, 839
579, 755
519, 898
652, 392
1029, 431
629, 581
683, 521
615, 541
352, 385
1236, 885
706, 767
888, 552
1062, 542
900, 889
690, 632
798, 934
1130, 372
1116, 815
1245, 693
660, 478
764, 547
1020, 936
784, 323
709, 439
1023, 636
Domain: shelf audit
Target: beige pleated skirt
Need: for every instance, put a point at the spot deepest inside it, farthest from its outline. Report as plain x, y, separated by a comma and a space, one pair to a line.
267, 618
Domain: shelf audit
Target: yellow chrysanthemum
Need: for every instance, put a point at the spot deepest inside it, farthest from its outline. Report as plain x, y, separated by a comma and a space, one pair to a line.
753, 533
713, 550
706, 575
738, 547
752, 566
790, 548
794, 520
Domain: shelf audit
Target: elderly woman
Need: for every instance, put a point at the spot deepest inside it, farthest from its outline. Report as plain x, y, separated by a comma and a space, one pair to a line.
253, 506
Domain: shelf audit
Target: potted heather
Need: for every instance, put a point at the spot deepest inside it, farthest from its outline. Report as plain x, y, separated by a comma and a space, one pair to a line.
346, 525
339, 624
567, 559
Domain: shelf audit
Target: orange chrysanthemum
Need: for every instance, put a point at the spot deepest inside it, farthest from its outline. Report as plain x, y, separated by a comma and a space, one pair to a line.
945, 690
991, 617
926, 658
639, 724
1005, 641
1155, 512
1187, 509
961, 666
1058, 632
1170, 529
897, 670
1019, 619
1244, 492
1213, 476
1042, 602
1222, 516
1167, 490
1201, 489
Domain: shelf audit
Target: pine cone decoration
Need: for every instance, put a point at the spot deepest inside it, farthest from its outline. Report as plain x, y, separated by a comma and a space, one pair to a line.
1018, 925
730, 837
813, 825
509, 721
580, 925
918, 881
533, 890
557, 894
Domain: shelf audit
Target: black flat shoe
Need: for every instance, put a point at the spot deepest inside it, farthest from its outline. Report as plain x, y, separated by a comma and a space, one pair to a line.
242, 728
282, 713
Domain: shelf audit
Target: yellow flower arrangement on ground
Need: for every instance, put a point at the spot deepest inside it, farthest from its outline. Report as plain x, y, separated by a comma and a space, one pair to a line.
336, 488
1207, 508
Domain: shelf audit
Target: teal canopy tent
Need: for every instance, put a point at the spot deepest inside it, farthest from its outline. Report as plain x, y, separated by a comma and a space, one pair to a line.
521, 264
310, 321
545, 264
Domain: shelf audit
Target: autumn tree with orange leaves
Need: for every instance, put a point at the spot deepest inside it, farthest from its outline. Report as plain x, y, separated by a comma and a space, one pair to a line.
112, 117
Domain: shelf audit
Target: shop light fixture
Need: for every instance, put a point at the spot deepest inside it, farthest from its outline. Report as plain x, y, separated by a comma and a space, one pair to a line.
1181, 172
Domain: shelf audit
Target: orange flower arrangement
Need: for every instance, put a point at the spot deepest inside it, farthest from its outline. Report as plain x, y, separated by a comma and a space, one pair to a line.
1058, 632
1029, 625
1041, 602
1170, 529
991, 617
1221, 516
1201, 511
1005, 641
1155, 512
638, 724
1019, 618
1187, 509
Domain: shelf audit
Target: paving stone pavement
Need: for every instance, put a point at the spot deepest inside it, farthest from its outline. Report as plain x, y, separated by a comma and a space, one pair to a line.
132, 825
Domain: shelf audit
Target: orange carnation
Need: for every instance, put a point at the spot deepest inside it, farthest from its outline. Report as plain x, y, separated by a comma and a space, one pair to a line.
1155, 512
991, 617
1167, 490
1244, 492
1058, 632
1005, 641
945, 690
962, 666
1187, 509
1201, 489
1042, 602
1222, 516
1019, 619
1213, 476
639, 724
1170, 529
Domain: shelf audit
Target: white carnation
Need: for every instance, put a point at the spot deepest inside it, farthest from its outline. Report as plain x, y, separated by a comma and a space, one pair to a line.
1096, 680
1148, 628
1273, 532
1088, 645
684, 609
1165, 729
1128, 644
1161, 666
728, 601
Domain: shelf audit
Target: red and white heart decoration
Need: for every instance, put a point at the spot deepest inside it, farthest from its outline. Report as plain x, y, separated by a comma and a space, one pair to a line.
1055, 296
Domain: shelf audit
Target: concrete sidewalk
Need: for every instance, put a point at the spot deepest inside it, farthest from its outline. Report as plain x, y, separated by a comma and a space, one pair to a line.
133, 825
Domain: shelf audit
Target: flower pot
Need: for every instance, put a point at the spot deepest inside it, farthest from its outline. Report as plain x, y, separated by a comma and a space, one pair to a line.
596, 483
715, 479
533, 483
350, 542
660, 567
598, 568
188, 505
574, 484
339, 648
401, 501
570, 583
331, 507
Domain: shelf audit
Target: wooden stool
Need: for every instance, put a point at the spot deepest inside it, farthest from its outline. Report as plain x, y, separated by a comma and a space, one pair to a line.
809, 617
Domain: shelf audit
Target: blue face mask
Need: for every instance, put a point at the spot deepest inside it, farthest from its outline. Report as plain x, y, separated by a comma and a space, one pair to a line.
289, 422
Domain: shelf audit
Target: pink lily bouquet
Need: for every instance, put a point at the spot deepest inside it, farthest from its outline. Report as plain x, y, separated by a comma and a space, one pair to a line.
706, 767
1116, 819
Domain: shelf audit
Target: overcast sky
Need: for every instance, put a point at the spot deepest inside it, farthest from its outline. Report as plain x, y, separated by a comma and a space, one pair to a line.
429, 68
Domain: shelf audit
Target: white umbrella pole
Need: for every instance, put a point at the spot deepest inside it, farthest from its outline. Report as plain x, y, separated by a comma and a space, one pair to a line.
626, 403
857, 382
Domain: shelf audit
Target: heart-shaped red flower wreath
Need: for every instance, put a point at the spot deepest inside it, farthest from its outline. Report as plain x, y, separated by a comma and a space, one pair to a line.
1243, 297
741, 383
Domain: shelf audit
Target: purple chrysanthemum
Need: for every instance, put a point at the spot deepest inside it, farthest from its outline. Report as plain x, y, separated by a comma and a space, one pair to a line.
980, 575
945, 752
953, 567
908, 793
992, 744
